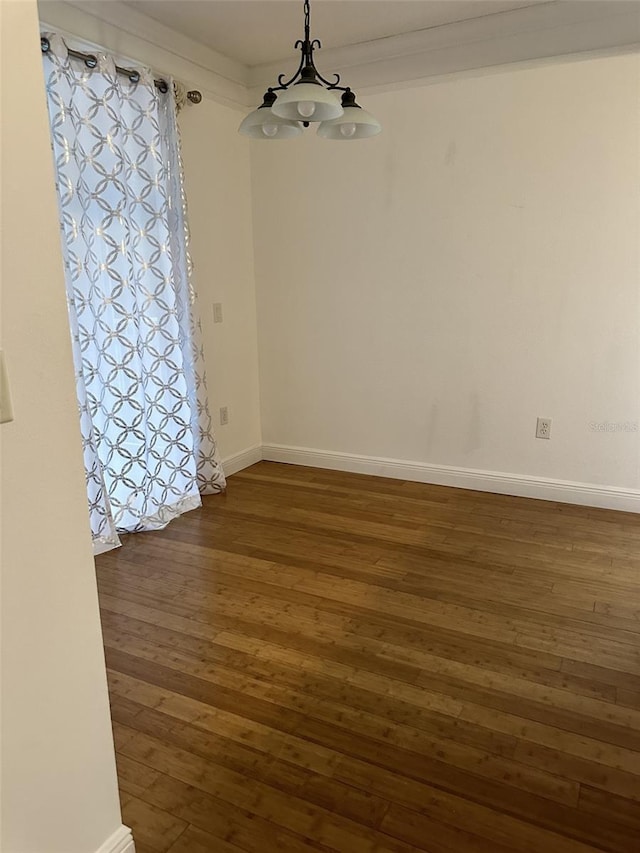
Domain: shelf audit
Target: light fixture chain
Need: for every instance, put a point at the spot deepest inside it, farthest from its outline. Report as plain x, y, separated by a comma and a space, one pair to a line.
307, 19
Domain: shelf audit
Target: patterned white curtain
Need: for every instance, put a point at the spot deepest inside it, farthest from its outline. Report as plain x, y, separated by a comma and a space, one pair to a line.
149, 450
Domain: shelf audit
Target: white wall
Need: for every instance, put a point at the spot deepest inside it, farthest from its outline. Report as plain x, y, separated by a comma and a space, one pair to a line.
59, 791
482, 271
217, 174
425, 294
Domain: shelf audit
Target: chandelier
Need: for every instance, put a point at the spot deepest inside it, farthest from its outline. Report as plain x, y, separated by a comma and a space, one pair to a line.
307, 97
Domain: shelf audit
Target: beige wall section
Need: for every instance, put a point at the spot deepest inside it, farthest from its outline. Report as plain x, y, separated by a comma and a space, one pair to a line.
217, 170
59, 791
217, 175
475, 266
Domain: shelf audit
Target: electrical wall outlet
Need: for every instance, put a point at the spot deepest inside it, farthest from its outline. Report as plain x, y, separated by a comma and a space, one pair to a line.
543, 428
217, 312
224, 415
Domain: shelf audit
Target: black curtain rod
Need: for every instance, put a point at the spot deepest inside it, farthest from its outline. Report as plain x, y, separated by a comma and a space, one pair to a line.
90, 60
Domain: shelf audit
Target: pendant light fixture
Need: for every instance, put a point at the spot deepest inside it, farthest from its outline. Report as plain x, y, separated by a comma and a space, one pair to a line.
307, 97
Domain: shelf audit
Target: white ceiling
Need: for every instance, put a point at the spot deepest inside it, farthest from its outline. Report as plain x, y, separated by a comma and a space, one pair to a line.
255, 32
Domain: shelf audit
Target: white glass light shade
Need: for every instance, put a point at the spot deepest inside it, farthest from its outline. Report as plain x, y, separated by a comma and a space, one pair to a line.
263, 124
295, 103
355, 123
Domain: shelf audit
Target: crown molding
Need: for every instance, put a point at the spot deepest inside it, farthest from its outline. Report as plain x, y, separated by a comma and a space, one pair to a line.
552, 31
128, 33
526, 34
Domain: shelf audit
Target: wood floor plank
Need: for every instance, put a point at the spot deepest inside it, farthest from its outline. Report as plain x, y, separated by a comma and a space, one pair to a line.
321, 661
133, 776
225, 821
413, 737
406, 788
152, 826
490, 656
195, 840
502, 832
295, 802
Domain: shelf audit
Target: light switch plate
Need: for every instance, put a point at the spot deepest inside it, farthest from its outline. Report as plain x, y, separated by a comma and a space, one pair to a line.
6, 409
217, 312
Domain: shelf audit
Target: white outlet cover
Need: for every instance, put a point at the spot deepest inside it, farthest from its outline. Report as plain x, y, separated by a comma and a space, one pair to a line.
543, 428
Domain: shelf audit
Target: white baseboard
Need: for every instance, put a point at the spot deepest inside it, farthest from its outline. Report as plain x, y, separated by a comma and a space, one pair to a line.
235, 463
585, 494
120, 842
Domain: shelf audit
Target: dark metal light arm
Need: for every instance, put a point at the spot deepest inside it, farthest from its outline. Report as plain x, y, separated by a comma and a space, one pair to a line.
307, 70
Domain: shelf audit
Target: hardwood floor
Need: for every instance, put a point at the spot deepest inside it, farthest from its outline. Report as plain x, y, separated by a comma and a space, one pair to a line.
321, 661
